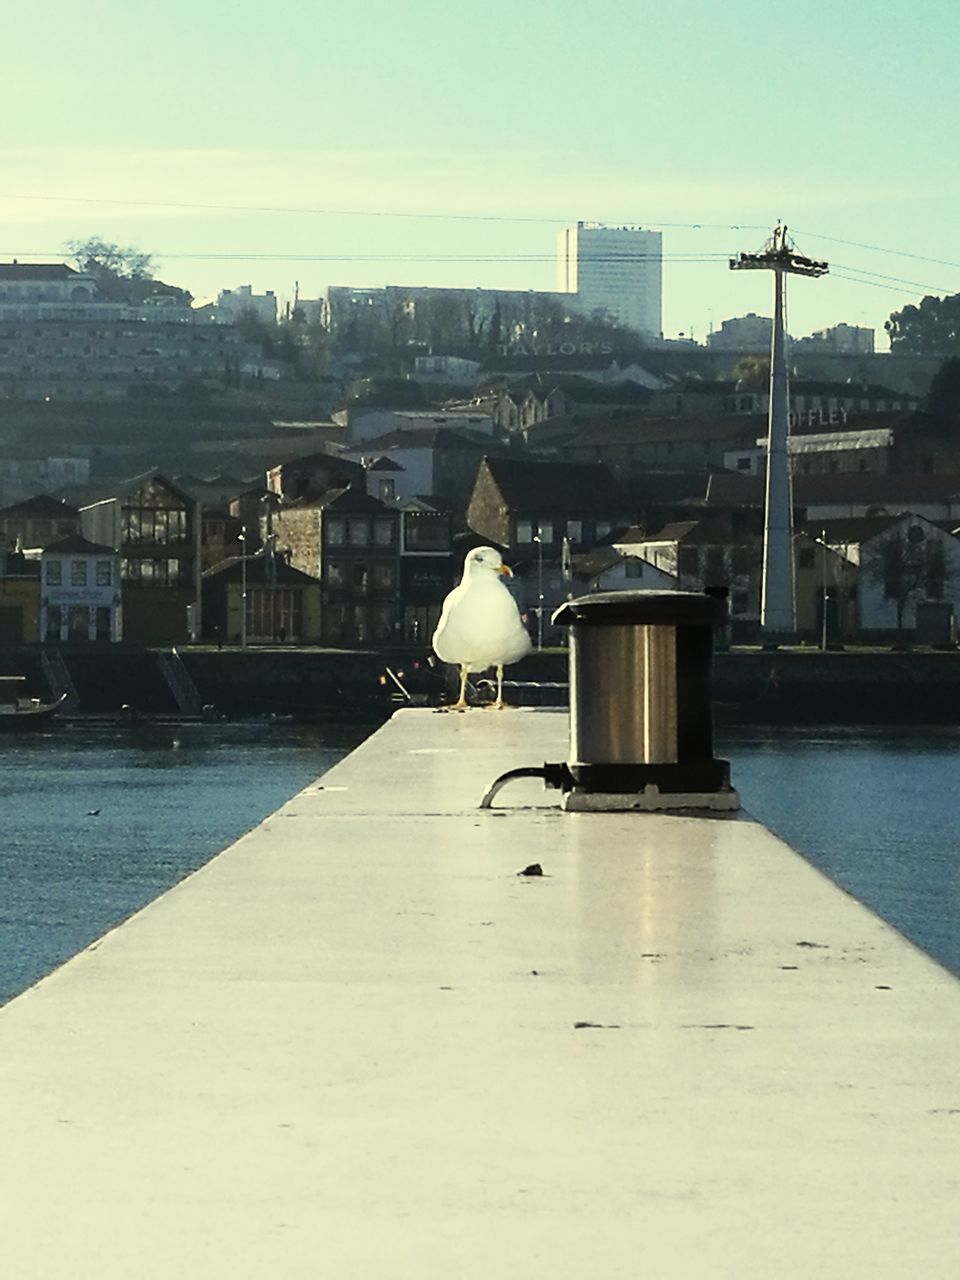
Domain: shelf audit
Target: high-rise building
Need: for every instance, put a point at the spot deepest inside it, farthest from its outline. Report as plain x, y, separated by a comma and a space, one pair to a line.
615, 270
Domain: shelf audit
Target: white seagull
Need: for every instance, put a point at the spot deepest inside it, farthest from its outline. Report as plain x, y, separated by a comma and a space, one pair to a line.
480, 625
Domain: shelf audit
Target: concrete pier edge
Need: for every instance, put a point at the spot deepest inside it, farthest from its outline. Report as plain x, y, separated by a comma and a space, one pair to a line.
360, 1043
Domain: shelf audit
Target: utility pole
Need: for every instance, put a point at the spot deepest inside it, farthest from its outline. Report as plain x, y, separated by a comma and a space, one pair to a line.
778, 610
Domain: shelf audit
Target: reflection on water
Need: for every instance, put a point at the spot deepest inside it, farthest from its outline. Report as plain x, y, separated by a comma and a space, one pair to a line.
876, 809
97, 823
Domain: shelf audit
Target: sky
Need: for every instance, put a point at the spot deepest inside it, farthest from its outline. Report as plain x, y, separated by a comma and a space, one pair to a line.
389, 142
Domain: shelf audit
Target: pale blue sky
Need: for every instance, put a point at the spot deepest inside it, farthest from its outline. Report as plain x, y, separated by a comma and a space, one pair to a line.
839, 117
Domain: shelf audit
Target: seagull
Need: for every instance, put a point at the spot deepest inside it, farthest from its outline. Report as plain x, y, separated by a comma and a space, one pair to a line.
480, 625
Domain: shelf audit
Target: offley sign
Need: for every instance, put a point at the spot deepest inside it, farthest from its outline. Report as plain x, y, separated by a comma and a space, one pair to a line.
818, 418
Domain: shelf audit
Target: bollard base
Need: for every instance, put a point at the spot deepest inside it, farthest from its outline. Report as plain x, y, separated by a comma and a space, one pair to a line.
650, 800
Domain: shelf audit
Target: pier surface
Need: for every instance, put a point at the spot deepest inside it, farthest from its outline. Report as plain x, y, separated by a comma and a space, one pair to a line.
359, 1044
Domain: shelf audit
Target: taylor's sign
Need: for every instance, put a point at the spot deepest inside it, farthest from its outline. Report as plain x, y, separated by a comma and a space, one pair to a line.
557, 349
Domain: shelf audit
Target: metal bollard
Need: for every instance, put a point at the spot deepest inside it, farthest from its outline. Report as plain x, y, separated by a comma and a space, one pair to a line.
641, 726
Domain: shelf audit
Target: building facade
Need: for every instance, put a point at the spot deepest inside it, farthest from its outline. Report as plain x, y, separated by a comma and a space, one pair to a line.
80, 599
38, 521
614, 270
350, 541
155, 525
19, 598
60, 340
260, 600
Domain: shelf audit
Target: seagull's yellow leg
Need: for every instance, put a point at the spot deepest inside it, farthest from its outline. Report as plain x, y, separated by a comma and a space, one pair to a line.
461, 704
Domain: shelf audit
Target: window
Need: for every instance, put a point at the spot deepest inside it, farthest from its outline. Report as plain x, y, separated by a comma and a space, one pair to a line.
78, 622
524, 531
716, 566
743, 464
386, 490
336, 531
333, 572
383, 532
603, 528
426, 531
634, 567
936, 570
742, 560
359, 533
545, 530
54, 619
54, 573
688, 560
359, 576
575, 530
383, 577
78, 573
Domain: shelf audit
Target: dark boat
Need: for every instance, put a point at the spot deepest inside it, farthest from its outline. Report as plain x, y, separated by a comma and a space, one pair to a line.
20, 712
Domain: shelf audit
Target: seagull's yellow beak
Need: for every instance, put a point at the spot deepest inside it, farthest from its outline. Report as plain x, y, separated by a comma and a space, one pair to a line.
506, 571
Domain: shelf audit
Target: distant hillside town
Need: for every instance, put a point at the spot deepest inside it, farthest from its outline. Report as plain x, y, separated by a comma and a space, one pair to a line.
243, 473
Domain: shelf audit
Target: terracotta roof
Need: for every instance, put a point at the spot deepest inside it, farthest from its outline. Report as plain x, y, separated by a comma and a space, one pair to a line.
348, 500
562, 488
589, 564
728, 488
857, 528
41, 505
76, 544
36, 271
384, 464
258, 572
427, 438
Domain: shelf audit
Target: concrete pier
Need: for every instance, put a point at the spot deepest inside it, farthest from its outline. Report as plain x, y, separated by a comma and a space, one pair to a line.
359, 1044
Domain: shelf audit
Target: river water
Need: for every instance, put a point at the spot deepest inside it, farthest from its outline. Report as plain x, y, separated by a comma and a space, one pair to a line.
875, 808
97, 823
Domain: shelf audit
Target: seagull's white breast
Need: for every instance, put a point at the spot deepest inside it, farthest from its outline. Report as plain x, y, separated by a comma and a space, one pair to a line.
480, 625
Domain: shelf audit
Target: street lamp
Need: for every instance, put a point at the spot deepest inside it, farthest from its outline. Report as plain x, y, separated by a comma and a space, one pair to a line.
823, 589
242, 539
538, 539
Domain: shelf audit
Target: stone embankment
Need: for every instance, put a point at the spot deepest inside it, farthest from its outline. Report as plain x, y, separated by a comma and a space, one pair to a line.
750, 686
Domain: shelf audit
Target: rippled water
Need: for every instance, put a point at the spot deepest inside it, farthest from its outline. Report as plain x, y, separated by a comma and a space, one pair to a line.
95, 824
876, 809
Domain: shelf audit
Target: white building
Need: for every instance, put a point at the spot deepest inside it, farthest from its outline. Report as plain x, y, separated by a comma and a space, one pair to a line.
904, 561
749, 333
233, 303
616, 270
840, 339
80, 592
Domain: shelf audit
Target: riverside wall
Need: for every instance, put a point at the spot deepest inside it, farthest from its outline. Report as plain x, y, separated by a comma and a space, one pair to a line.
750, 686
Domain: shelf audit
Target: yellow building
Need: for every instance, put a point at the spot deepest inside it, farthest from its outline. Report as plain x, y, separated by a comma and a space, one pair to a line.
19, 600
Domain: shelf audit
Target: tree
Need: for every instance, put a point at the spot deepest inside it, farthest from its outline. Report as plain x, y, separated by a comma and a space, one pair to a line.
933, 328
943, 397
386, 393
122, 274
753, 372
